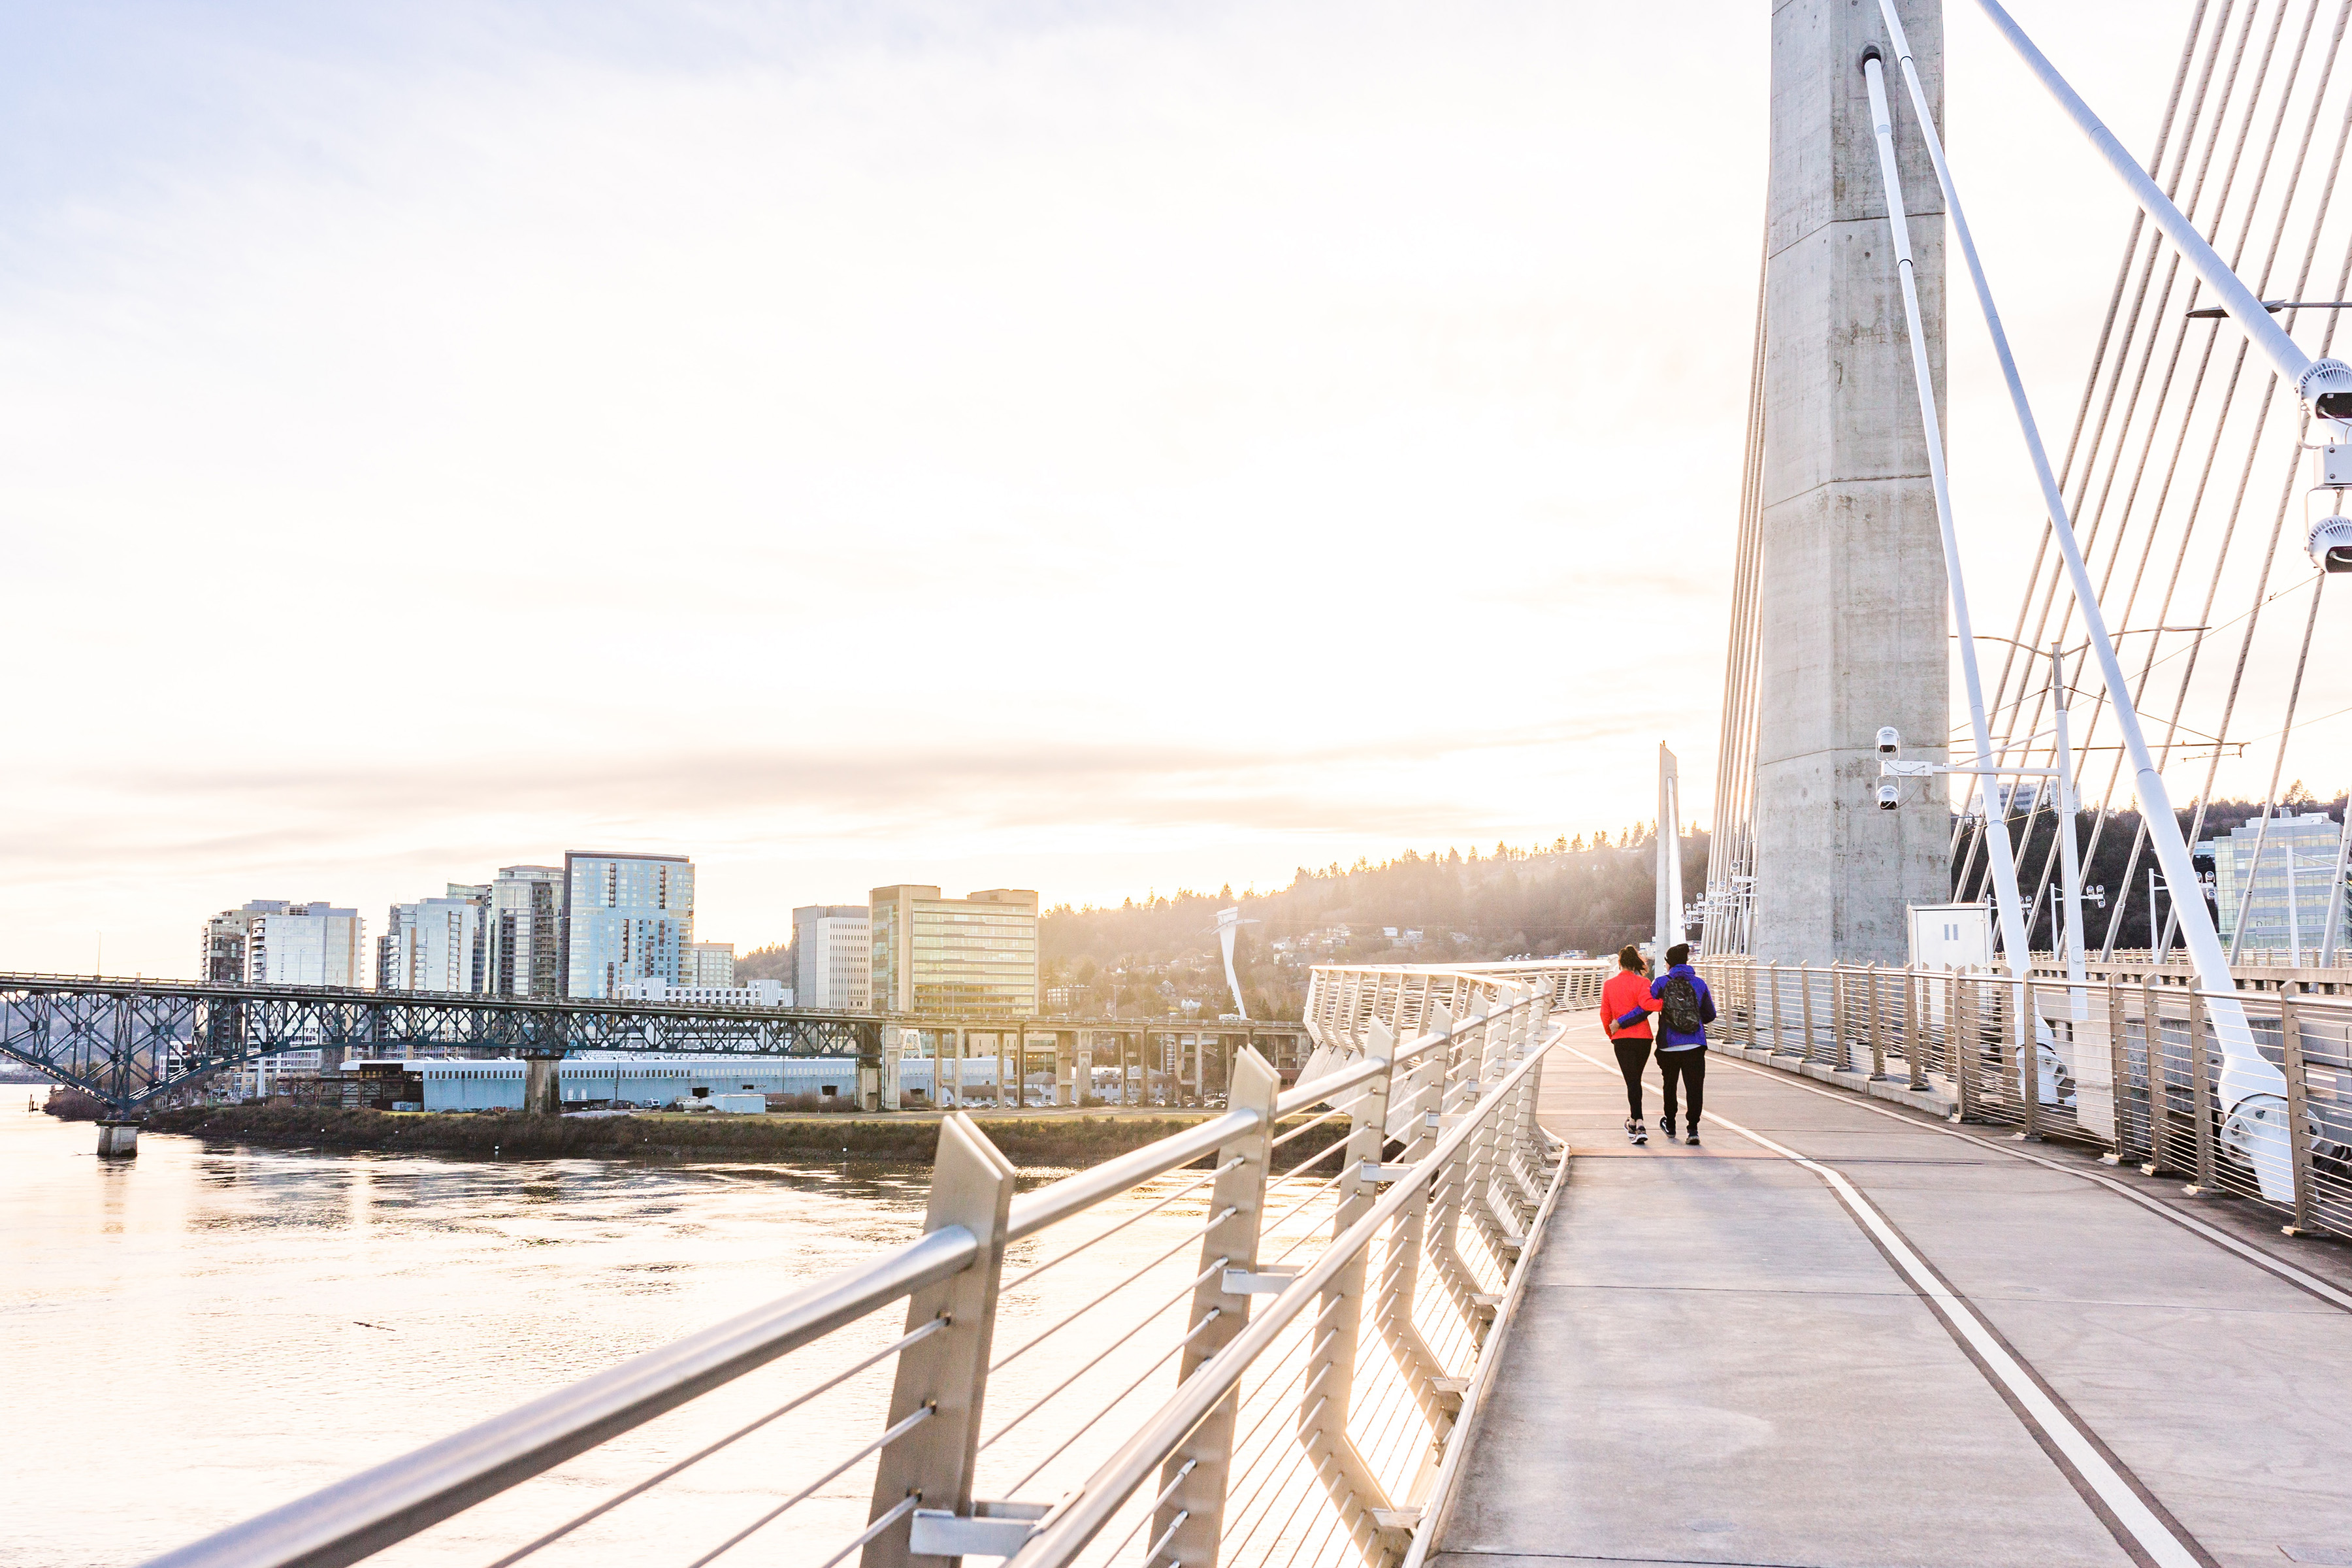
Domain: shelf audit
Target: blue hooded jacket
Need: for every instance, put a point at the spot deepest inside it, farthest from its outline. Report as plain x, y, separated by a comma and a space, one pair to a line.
1668, 1040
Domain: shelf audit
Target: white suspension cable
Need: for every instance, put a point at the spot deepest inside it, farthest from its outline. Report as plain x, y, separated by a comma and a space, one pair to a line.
2324, 383
2245, 1073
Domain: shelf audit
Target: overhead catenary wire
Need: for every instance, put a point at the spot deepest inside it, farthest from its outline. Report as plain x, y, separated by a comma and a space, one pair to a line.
2100, 356
2152, 533
2155, 556
2051, 599
2286, 733
2244, 1071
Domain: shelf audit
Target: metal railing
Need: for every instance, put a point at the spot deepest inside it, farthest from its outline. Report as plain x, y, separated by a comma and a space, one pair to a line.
2088, 1071
1154, 1417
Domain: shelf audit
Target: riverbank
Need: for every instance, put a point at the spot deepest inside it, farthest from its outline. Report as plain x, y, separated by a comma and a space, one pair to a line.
1053, 1139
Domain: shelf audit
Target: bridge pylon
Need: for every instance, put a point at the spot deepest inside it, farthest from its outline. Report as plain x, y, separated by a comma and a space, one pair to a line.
1850, 593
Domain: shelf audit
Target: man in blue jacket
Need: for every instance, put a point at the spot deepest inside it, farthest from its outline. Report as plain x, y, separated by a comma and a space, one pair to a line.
1687, 1008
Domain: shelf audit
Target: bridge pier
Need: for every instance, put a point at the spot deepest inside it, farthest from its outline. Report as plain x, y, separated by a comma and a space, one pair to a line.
118, 1139
542, 1091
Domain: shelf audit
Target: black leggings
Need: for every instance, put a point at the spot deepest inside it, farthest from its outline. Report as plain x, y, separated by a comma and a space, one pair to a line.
1633, 1056
1690, 1065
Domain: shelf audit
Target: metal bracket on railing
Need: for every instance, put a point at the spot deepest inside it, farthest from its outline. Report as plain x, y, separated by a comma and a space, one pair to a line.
1373, 1171
972, 1186
1268, 1281
992, 1529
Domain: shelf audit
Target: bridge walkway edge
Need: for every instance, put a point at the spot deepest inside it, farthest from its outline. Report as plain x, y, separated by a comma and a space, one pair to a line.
1716, 1364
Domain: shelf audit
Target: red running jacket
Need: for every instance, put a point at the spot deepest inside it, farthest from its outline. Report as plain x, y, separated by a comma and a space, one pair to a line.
1626, 990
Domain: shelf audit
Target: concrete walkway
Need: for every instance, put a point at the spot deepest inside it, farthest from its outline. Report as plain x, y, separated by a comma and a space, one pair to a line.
1718, 1361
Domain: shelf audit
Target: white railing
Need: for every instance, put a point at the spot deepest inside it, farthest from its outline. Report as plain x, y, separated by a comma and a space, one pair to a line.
1962, 1037
1303, 1355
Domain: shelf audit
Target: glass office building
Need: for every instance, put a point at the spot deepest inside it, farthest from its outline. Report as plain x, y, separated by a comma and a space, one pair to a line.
434, 944
625, 916
525, 943
972, 957
2314, 839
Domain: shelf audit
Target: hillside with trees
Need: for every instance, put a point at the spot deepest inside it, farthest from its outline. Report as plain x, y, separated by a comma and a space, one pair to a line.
1148, 956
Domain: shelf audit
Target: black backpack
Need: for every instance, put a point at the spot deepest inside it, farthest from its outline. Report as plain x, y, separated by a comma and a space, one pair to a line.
1681, 998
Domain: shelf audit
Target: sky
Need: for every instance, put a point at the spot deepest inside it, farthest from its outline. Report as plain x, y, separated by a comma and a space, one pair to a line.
1095, 447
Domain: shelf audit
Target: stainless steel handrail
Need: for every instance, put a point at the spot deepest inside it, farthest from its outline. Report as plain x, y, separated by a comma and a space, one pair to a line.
1078, 1520
950, 1278
369, 1511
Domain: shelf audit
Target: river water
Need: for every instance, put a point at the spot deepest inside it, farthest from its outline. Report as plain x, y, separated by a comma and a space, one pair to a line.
207, 1331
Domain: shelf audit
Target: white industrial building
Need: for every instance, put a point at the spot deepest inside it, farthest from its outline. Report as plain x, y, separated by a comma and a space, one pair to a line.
654, 1081
832, 956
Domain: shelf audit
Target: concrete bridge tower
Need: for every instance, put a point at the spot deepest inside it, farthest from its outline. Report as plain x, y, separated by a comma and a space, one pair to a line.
1851, 590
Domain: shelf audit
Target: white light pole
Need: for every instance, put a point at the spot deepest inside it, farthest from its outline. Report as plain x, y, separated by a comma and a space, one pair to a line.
1668, 907
2069, 860
2007, 900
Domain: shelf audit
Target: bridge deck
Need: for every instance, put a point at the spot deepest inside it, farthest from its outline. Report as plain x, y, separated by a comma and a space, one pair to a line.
1716, 1363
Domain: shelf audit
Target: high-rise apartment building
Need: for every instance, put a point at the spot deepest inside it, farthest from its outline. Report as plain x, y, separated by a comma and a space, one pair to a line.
625, 916
435, 944
274, 941
523, 942
709, 964
2314, 840
832, 956
974, 956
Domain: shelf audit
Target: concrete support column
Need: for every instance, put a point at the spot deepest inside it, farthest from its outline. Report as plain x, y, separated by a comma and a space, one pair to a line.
542, 1090
1082, 1076
118, 1139
1852, 596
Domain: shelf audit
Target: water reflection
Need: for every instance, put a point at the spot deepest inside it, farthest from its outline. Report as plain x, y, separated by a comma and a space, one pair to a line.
208, 1331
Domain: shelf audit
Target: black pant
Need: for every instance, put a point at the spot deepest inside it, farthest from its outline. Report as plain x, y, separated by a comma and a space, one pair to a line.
1690, 1065
1633, 1056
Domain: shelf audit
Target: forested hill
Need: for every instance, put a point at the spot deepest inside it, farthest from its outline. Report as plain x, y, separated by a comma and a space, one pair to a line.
1148, 954
1151, 954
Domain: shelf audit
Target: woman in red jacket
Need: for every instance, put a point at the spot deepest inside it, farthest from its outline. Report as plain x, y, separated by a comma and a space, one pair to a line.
1628, 993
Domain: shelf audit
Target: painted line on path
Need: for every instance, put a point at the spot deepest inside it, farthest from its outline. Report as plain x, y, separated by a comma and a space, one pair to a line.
2333, 1295
2126, 1507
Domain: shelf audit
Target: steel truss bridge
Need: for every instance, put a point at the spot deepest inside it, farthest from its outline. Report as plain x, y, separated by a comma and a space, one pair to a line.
129, 1041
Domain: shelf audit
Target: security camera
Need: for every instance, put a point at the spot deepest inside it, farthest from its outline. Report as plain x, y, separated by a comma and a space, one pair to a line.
2331, 544
1889, 798
1889, 739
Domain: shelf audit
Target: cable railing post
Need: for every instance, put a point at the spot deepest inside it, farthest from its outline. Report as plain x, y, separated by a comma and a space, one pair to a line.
1329, 1394
1961, 1046
2151, 1041
1877, 1025
1915, 1030
1773, 986
2200, 1090
1460, 1098
2298, 1107
1196, 1475
1805, 996
1423, 1091
2029, 1058
1494, 1062
2118, 1072
972, 1186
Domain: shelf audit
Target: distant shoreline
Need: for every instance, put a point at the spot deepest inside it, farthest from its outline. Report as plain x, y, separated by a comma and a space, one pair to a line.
1064, 1138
